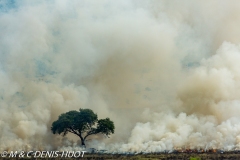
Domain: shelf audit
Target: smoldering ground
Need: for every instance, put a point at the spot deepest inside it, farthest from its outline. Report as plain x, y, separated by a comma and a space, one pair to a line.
166, 72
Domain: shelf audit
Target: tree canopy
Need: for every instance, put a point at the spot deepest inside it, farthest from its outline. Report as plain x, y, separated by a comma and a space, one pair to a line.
82, 123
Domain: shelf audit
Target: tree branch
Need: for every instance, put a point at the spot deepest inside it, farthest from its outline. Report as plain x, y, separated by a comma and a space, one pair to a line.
74, 132
93, 131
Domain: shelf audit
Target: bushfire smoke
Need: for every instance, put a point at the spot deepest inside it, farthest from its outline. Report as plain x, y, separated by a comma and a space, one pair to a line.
166, 72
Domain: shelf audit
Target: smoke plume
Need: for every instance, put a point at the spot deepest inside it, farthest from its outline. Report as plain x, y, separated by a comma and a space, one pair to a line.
166, 72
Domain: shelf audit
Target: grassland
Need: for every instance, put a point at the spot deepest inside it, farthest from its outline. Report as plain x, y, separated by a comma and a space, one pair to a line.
160, 156
157, 156
164, 156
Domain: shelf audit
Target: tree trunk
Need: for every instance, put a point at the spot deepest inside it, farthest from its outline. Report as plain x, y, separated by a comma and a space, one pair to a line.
83, 142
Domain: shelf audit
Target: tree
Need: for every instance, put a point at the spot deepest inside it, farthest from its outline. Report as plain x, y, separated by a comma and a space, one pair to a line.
83, 124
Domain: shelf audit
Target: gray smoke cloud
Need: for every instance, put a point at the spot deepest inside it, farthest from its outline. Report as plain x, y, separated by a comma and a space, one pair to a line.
166, 72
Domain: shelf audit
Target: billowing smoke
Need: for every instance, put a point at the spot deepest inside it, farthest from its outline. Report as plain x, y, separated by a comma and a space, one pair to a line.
166, 72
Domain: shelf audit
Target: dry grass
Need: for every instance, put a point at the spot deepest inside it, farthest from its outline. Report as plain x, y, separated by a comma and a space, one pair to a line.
158, 156
172, 156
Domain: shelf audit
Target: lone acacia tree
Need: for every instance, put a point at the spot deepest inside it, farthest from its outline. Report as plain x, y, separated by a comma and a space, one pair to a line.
83, 124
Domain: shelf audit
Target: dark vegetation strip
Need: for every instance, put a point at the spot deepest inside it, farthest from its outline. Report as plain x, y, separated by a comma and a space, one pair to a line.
159, 156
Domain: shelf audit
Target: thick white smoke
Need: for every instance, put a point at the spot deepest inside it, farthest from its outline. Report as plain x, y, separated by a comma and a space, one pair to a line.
166, 72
